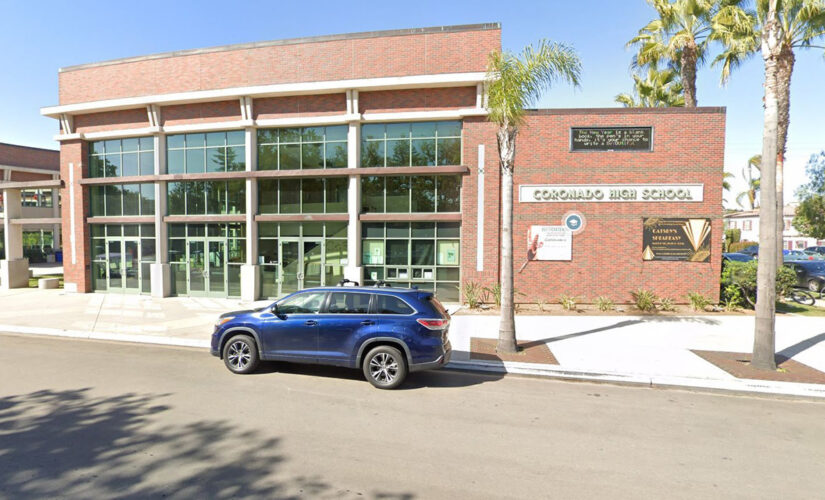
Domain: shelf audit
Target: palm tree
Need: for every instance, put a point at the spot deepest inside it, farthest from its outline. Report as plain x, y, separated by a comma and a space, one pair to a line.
515, 82
680, 37
726, 183
800, 24
751, 193
659, 89
764, 335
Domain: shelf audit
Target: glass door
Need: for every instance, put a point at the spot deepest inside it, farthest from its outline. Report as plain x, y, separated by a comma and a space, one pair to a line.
216, 272
301, 264
114, 263
196, 269
313, 258
123, 265
131, 265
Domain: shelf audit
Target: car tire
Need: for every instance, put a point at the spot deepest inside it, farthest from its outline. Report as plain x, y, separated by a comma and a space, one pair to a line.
385, 367
814, 286
240, 354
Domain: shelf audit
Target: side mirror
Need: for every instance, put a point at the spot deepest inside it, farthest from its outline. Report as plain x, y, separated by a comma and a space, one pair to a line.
275, 310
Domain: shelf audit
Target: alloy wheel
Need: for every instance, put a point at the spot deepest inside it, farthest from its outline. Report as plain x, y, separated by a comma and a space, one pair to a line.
383, 368
239, 355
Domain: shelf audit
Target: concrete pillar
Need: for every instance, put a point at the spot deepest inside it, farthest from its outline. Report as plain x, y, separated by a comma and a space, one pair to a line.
14, 269
57, 245
353, 270
250, 275
160, 274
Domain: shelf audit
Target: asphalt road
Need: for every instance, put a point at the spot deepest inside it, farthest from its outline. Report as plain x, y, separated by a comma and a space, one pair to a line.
86, 419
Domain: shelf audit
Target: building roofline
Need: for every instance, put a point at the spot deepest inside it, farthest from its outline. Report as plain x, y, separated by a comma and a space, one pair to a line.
291, 41
30, 147
624, 111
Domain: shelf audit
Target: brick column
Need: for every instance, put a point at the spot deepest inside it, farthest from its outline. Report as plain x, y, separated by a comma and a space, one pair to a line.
74, 210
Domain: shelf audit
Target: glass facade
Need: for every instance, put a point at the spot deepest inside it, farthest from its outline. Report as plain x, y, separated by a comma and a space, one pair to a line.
206, 197
122, 157
302, 148
303, 196
115, 200
411, 194
209, 152
416, 144
295, 255
206, 259
422, 254
37, 198
121, 257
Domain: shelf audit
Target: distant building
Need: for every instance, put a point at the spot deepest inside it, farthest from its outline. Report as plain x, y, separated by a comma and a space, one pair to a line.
748, 223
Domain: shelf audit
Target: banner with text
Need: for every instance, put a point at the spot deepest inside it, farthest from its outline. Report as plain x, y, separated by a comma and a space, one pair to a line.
615, 193
676, 239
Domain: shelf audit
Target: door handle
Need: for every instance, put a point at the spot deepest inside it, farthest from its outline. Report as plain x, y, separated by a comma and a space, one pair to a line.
311, 322
368, 322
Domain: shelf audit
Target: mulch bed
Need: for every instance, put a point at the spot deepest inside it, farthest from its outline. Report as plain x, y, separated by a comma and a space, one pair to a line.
738, 365
529, 352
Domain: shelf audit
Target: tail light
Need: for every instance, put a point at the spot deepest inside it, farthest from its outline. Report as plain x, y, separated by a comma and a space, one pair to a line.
434, 324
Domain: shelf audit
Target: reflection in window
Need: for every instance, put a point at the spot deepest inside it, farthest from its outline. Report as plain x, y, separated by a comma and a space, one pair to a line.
410, 144
206, 152
122, 157
302, 148
415, 194
206, 197
306, 196
122, 199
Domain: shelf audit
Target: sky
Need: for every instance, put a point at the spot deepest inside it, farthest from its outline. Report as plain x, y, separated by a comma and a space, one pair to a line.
40, 37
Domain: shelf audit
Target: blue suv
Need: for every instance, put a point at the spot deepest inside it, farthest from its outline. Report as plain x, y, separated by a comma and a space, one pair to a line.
386, 332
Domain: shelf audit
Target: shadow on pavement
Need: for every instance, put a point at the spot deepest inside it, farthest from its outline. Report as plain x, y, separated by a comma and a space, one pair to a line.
416, 380
70, 444
791, 351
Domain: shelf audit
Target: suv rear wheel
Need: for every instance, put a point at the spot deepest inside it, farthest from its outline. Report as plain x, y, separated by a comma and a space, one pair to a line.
240, 354
385, 367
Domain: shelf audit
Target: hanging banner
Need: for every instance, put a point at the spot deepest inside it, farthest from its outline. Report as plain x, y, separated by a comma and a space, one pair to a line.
673, 239
549, 243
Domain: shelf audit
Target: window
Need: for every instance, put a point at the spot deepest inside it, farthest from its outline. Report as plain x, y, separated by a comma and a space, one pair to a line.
414, 194
302, 148
387, 304
122, 199
421, 254
747, 225
302, 303
206, 197
209, 152
36, 198
349, 303
122, 157
411, 144
307, 196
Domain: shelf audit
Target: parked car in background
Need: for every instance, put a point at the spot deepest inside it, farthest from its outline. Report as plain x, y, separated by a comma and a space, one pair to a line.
818, 250
751, 251
735, 257
809, 274
385, 332
797, 255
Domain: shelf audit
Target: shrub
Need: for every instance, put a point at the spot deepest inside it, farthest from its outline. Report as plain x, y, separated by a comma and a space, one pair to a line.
732, 236
739, 281
698, 301
666, 304
741, 245
644, 299
495, 291
568, 302
604, 303
472, 294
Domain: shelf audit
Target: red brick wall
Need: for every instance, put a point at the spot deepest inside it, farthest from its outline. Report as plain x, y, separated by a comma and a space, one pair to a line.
415, 54
73, 156
688, 148
208, 112
299, 106
111, 120
16, 175
417, 99
23, 156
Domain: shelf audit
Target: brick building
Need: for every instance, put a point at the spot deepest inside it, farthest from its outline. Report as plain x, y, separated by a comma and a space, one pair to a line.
254, 170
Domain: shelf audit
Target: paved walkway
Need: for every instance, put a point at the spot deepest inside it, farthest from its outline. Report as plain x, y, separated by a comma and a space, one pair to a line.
643, 349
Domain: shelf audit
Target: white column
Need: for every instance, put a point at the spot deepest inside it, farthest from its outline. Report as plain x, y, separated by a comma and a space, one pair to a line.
57, 243
250, 275
480, 211
160, 271
353, 270
14, 269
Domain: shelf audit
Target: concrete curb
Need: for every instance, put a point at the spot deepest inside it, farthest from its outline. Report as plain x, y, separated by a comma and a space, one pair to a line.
734, 385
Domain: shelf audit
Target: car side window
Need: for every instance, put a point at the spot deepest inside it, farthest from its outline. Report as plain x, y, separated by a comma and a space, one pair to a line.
302, 303
349, 303
387, 304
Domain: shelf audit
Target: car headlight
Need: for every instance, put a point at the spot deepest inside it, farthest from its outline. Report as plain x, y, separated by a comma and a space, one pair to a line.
224, 320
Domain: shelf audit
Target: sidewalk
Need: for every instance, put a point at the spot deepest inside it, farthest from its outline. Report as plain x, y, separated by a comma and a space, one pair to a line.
648, 350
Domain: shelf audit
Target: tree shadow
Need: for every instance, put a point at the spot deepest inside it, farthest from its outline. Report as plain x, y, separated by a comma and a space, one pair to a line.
791, 351
70, 444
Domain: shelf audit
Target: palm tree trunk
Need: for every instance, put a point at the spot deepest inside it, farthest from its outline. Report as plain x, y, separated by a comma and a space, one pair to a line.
507, 152
764, 338
785, 64
688, 70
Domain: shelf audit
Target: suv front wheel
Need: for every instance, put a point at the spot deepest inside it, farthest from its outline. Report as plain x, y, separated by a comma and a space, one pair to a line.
240, 354
385, 367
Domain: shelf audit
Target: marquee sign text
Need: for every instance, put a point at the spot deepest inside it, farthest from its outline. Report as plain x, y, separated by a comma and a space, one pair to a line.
561, 193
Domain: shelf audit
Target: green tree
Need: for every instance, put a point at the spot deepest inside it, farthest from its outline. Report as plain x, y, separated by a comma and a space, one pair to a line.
815, 170
515, 82
752, 192
659, 89
800, 23
680, 37
810, 214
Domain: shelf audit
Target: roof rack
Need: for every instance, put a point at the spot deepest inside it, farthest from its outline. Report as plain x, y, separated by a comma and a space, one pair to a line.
345, 282
382, 283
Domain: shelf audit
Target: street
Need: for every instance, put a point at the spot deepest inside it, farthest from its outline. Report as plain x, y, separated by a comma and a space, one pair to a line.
91, 419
